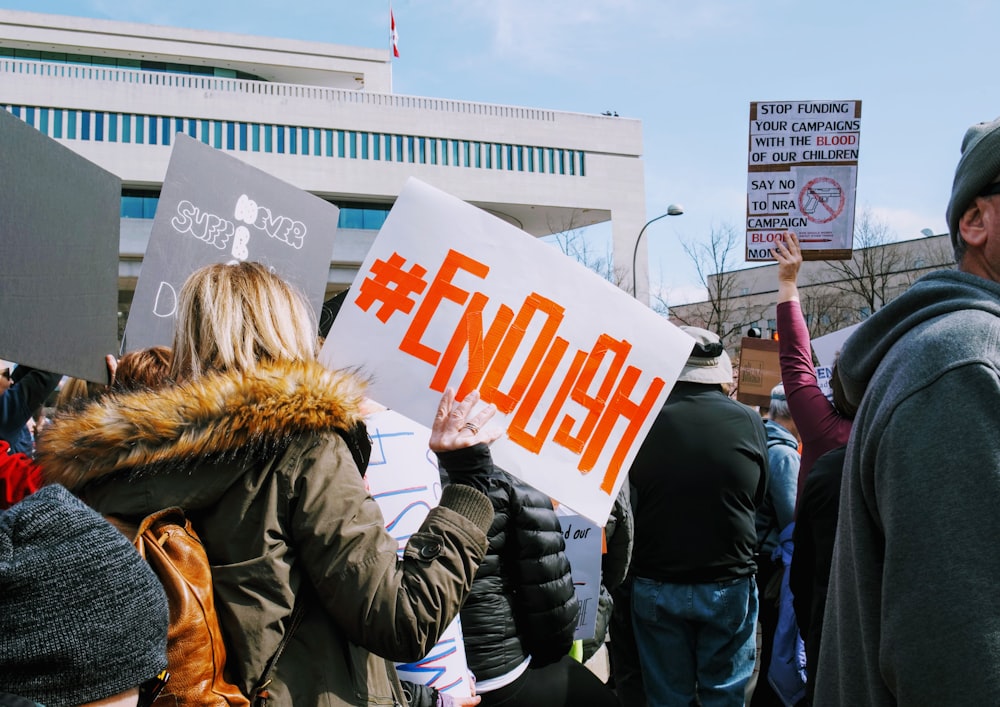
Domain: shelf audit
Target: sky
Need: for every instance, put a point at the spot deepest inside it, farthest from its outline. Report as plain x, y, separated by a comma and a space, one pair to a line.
688, 70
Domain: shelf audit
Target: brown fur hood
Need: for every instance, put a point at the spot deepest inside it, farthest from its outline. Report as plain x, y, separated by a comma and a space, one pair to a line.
218, 416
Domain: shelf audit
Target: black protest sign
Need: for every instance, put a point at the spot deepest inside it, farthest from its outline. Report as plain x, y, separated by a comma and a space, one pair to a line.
59, 224
215, 208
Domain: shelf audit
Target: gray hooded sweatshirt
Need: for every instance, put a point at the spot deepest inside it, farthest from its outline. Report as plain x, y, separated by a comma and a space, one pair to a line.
913, 615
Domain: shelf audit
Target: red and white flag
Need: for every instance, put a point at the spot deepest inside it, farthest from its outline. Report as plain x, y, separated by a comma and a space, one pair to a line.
393, 34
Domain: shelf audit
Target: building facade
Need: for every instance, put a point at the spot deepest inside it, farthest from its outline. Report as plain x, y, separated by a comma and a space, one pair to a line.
833, 294
321, 117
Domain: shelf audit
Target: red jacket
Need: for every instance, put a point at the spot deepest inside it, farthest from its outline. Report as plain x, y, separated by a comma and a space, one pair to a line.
19, 477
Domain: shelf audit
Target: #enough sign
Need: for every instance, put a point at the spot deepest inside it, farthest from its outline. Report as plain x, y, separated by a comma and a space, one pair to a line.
452, 296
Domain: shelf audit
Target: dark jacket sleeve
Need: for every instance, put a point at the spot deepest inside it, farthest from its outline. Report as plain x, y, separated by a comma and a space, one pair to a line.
545, 601
30, 389
619, 532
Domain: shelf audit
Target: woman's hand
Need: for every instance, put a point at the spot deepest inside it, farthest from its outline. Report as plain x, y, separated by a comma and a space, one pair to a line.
456, 425
788, 253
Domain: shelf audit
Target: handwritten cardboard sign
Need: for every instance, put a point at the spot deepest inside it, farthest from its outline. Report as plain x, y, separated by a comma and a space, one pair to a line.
59, 225
452, 296
583, 550
760, 371
403, 479
802, 177
215, 208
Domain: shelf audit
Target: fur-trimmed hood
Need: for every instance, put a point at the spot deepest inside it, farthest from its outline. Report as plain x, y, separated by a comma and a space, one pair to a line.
217, 417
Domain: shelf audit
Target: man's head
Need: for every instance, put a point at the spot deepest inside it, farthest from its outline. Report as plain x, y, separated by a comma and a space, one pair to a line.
977, 171
82, 616
708, 362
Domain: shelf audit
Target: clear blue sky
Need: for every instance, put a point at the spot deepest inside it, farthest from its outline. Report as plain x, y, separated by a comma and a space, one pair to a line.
924, 72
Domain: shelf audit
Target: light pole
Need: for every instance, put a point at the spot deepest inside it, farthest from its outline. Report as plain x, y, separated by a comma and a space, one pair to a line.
672, 210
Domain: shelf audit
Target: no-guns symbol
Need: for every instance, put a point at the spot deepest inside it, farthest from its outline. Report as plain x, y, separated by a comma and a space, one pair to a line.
821, 200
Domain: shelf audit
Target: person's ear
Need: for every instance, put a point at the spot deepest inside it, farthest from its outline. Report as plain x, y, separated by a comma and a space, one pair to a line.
972, 226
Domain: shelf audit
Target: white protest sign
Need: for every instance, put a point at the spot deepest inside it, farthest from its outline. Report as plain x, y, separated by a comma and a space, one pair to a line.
403, 479
215, 208
452, 296
802, 176
826, 348
583, 550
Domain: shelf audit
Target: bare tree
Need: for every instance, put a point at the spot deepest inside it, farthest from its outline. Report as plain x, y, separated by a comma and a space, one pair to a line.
867, 279
575, 243
724, 312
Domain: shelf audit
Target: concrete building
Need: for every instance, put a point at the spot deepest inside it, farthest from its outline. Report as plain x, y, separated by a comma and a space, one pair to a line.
321, 117
833, 294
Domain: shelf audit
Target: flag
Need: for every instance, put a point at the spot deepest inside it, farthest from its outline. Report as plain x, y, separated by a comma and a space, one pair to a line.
393, 34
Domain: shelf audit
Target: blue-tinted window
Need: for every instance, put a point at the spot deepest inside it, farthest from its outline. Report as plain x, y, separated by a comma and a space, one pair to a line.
16, 111
317, 135
341, 146
230, 135
351, 218
280, 129
293, 141
243, 136
57, 118
377, 146
217, 134
550, 157
71, 116
29, 116
192, 128
455, 146
399, 148
422, 150
131, 207
328, 142
149, 206
127, 128
477, 150
43, 120
255, 137
445, 146
374, 218
140, 129
583, 164
99, 126
166, 131
531, 159
113, 127
206, 133
85, 125
352, 144
178, 125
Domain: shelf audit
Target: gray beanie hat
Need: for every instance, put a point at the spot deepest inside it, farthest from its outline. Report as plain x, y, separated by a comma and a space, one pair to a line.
978, 167
708, 363
82, 616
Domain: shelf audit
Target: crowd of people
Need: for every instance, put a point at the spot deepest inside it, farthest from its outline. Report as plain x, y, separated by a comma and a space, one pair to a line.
864, 521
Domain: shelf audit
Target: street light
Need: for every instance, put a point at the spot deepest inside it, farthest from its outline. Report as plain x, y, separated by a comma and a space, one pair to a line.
672, 210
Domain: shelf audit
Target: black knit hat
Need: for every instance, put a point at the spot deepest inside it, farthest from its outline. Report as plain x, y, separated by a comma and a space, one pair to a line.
978, 167
82, 616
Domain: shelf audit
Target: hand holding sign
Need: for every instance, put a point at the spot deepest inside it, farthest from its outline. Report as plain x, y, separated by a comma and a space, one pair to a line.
788, 253
456, 426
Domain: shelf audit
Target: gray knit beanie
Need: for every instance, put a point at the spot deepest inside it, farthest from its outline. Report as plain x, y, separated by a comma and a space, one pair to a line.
82, 616
978, 167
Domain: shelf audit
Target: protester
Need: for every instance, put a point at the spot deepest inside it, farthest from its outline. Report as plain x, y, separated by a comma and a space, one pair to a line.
700, 475
911, 617
263, 448
774, 515
25, 391
822, 425
83, 619
519, 619
623, 655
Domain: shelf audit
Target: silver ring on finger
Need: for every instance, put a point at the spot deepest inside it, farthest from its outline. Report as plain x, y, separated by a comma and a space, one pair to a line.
469, 426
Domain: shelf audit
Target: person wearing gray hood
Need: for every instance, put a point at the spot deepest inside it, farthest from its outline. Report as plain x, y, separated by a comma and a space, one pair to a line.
912, 616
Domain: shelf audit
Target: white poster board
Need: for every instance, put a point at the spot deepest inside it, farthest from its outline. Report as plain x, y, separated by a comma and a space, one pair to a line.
802, 177
450, 295
584, 546
827, 348
403, 479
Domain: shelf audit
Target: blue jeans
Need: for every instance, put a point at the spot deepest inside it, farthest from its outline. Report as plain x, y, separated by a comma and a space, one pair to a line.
695, 639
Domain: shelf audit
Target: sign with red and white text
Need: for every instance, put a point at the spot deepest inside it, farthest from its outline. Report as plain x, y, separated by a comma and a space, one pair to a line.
802, 177
403, 479
450, 295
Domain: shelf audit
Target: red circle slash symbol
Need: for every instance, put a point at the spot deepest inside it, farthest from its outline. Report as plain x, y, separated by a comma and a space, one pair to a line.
821, 200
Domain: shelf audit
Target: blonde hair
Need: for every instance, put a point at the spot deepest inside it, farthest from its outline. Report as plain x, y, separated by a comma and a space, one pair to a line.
235, 317
76, 392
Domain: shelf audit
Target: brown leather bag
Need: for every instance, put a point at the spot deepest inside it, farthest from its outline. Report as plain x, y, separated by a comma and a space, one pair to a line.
196, 654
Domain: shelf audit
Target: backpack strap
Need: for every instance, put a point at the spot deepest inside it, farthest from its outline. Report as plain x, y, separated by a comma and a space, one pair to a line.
259, 696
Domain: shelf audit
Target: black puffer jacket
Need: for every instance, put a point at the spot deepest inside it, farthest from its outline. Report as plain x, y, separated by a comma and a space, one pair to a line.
522, 601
